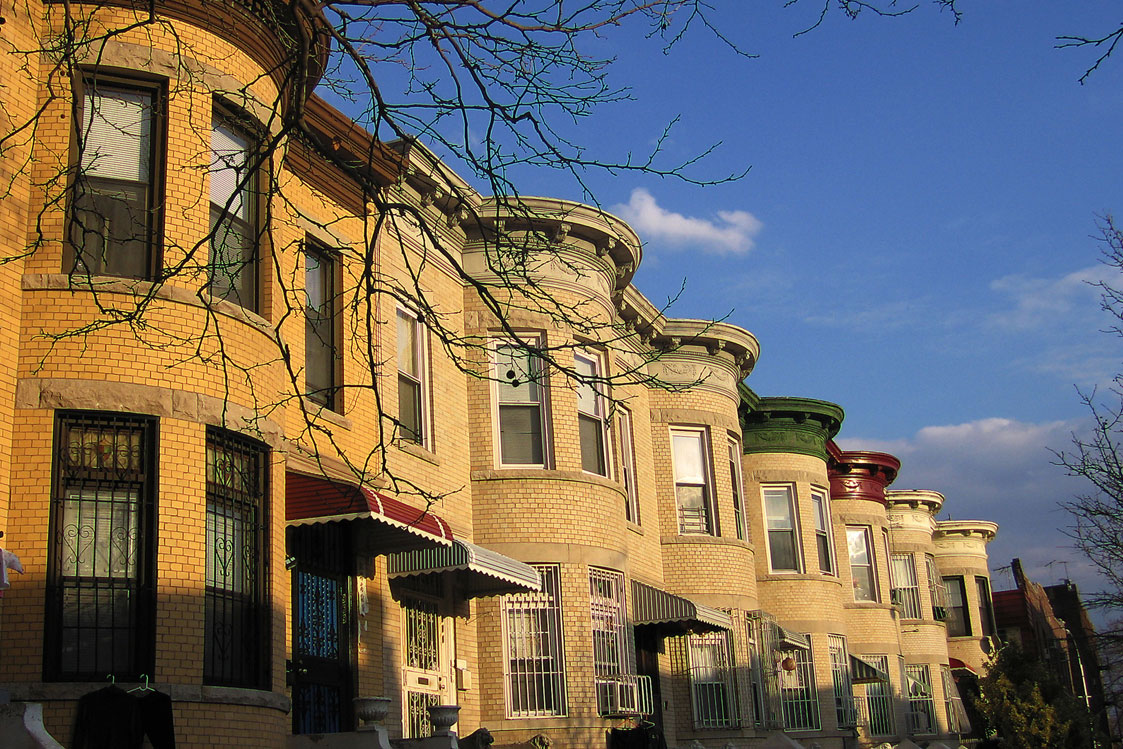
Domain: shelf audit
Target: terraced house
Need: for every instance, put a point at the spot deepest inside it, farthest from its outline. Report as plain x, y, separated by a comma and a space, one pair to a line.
278, 429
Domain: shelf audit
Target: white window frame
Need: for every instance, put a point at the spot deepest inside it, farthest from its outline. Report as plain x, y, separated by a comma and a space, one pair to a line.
737, 483
793, 511
846, 715
875, 587
921, 701
709, 659
599, 414
529, 342
705, 481
628, 465
906, 585
421, 357
821, 511
545, 647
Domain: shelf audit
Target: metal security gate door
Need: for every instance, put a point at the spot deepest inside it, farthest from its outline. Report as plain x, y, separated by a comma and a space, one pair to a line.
426, 645
321, 669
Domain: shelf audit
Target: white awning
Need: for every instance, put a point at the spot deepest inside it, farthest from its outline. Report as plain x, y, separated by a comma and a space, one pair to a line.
478, 572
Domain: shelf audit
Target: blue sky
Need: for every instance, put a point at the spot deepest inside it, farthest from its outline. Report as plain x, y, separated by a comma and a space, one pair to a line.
912, 239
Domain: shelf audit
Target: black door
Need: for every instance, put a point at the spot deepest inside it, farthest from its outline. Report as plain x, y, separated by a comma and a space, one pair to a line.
322, 678
648, 646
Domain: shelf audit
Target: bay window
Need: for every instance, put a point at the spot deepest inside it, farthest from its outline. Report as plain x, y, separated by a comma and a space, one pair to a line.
692, 480
592, 421
824, 541
321, 345
234, 207
862, 566
113, 222
783, 529
532, 625
520, 394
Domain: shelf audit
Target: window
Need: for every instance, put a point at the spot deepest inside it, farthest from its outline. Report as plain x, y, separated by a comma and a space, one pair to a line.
906, 590
321, 344
958, 721
862, 563
879, 702
986, 607
519, 389
737, 486
234, 221
921, 708
799, 698
100, 591
535, 656
959, 619
592, 421
613, 667
412, 379
845, 713
628, 465
820, 508
236, 643
692, 480
764, 680
711, 680
783, 536
936, 590
114, 217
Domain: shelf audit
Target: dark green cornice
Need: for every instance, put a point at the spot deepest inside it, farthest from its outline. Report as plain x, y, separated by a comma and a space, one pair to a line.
787, 425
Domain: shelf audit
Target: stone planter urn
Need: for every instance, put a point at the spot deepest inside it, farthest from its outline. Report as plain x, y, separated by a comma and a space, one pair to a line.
442, 718
371, 710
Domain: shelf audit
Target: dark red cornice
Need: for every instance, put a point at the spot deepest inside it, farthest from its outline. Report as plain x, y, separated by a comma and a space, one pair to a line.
860, 474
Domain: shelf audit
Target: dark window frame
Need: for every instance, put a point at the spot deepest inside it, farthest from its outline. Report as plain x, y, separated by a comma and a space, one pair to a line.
958, 617
249, 666
330, 395
222, 222
138, 652
128, 82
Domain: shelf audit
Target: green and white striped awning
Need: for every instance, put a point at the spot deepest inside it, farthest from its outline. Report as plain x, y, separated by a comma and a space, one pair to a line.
789, 640
863, 671
477, 572
651, 606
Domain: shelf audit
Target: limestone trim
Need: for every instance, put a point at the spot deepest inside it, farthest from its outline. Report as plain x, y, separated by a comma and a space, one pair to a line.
103, 395
562, 553
703, 539
127, 56
784, 476
687, 416
417, 451
73, 690
545, 475
135, 287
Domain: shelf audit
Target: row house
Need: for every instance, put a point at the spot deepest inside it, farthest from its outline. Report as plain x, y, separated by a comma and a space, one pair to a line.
293, 417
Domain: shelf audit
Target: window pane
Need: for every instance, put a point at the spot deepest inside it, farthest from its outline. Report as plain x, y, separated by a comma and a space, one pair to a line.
409, 409
778, 508
517, 372
229, 170
587, 401
782, 546
407, 345
688, 456
520, 434
117, 132
592, 444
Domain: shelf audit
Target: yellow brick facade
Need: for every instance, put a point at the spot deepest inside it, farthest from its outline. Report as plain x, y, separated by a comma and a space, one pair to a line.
701, 658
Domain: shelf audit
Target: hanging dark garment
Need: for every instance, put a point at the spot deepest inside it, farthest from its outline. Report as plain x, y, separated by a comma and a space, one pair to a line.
112, 718
155, 710
108, 719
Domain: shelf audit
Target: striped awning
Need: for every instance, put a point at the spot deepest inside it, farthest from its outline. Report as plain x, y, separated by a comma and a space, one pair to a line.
651, 606
788, 640
477, 572
863, 671
393, 525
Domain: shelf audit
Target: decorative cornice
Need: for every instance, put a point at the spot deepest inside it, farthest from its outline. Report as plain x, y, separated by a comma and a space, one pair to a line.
861, 475
983, 530
787, 425
925, 499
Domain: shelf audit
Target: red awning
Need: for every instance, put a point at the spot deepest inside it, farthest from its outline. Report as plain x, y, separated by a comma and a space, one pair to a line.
956, 664
310, 500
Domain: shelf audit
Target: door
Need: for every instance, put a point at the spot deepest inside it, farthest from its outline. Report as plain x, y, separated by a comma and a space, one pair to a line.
427, 648
321, 673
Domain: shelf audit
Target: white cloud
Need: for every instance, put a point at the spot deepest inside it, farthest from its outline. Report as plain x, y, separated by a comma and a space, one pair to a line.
1001, 470
732, 232
1039, 302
